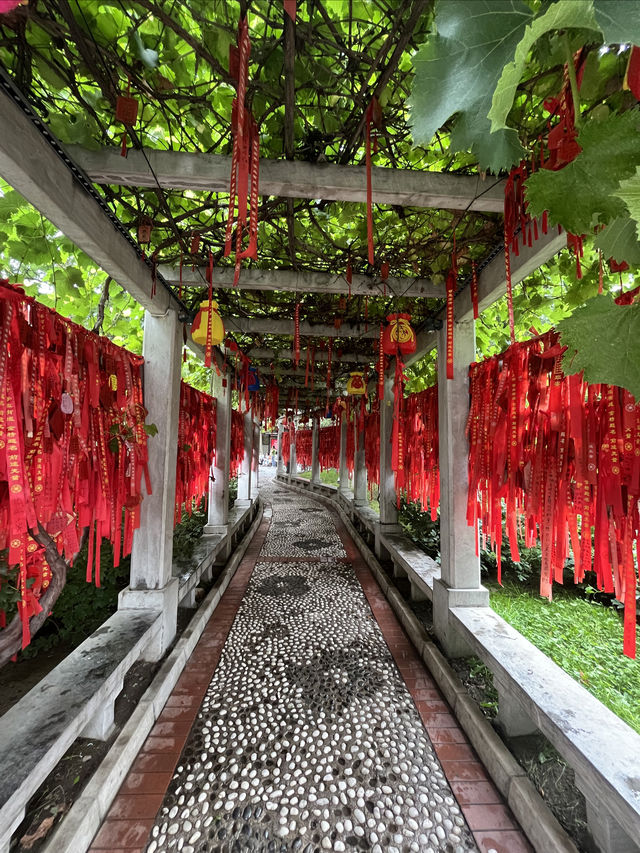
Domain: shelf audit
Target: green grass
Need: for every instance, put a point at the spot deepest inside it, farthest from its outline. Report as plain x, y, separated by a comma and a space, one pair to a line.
329, 478
582, 637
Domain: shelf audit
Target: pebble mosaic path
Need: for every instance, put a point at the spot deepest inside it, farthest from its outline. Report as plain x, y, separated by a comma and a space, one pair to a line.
295, 728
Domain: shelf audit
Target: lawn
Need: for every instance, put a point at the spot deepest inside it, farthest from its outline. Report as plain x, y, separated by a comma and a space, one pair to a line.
583, 637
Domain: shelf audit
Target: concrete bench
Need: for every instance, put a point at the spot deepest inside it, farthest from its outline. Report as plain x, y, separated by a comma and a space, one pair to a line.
212, 548
411, 562
75, 699
603, 751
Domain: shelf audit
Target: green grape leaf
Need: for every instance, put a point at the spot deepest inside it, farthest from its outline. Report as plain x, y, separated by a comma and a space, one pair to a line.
629, 192
619, 24
457, 70
565, 14
603, 339
583, 193
620, 241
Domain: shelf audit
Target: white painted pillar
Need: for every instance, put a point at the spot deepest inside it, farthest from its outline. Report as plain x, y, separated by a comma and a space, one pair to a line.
244, 474
343, 474
359, 467
293, 462
315, 450
151, 584
459, 583
280, 459
388, 509
255, 469
219, 485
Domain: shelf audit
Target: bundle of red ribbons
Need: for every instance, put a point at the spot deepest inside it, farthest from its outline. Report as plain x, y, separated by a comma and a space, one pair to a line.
73, 448
565, 458
420, 439
303, 447
329, 447
237, 442
196, 448
245, 158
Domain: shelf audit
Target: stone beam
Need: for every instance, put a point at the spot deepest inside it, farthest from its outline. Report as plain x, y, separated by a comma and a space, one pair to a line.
320, 356
295, 179
275, 326
35, 169
308, 281
492, 284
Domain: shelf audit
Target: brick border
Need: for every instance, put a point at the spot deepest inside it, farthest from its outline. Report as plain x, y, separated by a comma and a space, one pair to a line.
131, 816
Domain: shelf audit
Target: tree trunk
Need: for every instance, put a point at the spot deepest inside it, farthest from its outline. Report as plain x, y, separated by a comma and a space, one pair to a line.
11, 636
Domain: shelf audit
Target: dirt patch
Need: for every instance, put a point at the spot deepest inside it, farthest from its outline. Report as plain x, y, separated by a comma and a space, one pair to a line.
66, 781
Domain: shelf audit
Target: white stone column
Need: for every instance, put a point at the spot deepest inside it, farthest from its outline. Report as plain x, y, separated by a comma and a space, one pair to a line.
280, 469
359, 466
151, 584
245, 474
293, 462
219, 485
315, 449
459, 583
255, 470
343, 474
388, 509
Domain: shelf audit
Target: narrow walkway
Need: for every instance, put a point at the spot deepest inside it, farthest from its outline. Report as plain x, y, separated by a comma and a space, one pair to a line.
295, 728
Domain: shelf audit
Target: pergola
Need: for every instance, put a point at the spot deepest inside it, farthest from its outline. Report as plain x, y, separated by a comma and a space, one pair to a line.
92, 197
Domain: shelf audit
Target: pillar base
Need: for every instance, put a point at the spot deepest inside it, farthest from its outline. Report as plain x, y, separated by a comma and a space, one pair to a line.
446, 597
165, 600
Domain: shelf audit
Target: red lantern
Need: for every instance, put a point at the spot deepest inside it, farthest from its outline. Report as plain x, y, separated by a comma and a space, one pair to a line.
399, 336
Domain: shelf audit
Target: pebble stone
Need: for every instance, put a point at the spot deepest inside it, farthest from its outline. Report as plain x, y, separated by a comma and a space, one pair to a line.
307, 738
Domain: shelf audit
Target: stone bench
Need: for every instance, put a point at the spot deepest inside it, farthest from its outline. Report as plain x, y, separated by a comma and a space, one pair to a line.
603, 751
411, 562
211, 548
75, 699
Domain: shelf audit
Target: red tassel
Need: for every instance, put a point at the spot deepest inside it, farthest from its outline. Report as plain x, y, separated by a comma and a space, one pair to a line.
207, 351
451, 290
507, 267
474, 289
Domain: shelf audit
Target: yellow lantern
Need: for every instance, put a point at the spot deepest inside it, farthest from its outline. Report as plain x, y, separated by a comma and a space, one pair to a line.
199, 326
356, 385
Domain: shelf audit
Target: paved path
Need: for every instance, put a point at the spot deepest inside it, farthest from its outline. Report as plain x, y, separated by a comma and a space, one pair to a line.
295, 728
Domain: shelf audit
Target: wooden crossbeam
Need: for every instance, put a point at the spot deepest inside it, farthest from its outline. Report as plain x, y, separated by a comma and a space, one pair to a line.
275, 326
30, 164
307, 281
295, 179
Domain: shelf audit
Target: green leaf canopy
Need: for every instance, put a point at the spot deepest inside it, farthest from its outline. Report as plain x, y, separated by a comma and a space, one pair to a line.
603, 339
565, 14
457, 70
581, 195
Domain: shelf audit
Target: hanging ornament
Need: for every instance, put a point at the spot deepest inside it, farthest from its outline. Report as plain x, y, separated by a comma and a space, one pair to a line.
195, 243
356, 385
474, 289
296, 335
254, 380
381, 363
127, 113
373, 117
290, 8
399, 336
208, 324
632, 74
144, 230
349, 275
245, 159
